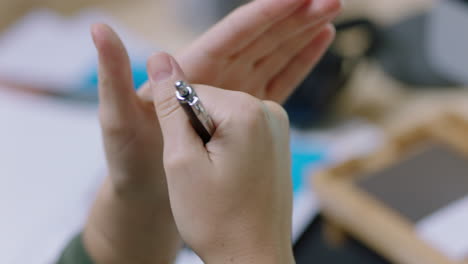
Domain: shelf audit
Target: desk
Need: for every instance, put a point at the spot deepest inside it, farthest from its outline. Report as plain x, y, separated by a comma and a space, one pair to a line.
51, 164
371, 93
313, 247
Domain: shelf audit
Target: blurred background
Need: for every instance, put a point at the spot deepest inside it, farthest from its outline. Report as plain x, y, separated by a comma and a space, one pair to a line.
395, 63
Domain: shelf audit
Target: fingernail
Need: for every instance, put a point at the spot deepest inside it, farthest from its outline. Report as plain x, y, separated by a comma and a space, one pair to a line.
160, 68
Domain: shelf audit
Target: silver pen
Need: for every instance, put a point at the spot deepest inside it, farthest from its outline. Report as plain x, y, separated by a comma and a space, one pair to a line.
199, 118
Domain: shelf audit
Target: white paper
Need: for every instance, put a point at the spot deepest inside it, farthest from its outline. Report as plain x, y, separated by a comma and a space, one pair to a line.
51, 162
447, 229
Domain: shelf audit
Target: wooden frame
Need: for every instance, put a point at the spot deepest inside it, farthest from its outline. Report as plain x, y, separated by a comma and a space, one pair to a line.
371, 221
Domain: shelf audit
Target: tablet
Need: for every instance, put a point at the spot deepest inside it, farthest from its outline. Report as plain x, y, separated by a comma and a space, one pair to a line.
409, 201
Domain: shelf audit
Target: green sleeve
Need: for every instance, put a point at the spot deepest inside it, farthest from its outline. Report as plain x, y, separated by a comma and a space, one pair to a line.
75, 253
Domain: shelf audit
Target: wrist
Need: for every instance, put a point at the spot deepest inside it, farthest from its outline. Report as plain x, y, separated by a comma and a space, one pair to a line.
248, 251
252, 256
122, 230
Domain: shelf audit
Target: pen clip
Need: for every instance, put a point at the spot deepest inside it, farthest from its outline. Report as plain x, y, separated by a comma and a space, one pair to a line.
197, 113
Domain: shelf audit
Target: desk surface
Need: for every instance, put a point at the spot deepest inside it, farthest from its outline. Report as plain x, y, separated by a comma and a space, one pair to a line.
396, 108
313, 247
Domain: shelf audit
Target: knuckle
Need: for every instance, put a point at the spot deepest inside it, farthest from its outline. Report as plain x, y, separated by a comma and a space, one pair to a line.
113, 124
278, 115
166, 106
278, 111
176, 159
254, 113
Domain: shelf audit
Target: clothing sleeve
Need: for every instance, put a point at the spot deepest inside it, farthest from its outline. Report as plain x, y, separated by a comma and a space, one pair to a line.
75, 253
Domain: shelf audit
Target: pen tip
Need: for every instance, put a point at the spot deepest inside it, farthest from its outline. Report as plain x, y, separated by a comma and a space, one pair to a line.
182, 88
179, 84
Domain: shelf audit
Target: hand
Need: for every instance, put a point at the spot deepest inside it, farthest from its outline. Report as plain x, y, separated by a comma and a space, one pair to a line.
231, 199
133, 203
131, 221
265, 48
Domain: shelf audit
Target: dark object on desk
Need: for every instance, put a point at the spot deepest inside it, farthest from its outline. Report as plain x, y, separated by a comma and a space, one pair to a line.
402, 52
423, 183
427, 50
312, 102
313, 248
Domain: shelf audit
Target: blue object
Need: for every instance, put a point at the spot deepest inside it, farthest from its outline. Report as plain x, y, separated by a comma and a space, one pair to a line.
306, 155
139, 73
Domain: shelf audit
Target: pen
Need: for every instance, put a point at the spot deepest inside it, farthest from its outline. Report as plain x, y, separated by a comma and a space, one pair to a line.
193, 107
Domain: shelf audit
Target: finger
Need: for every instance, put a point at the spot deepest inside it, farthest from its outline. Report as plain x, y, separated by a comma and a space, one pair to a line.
144, 92
233, 113
270, 66
295, 71
178, 135
280, 123
116, 91
277, 110
316, 12
245, 25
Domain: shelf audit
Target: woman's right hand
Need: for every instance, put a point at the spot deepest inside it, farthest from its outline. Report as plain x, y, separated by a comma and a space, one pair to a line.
231, 198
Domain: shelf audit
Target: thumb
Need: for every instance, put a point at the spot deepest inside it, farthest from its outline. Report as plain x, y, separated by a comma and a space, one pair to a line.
116, 92
178, 134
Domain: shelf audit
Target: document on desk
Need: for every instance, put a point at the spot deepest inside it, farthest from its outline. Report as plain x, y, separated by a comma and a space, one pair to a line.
447, 229
51, 164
